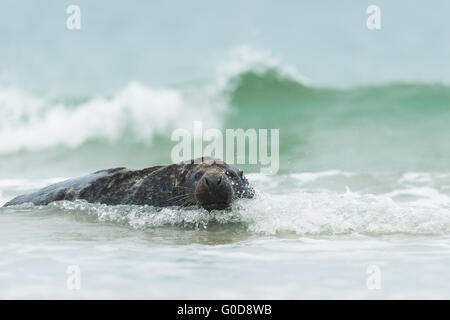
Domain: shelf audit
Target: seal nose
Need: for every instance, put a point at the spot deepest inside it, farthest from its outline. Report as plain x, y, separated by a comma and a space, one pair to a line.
214, 192
213, 182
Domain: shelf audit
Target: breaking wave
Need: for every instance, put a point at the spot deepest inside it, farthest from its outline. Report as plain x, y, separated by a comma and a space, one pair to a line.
136, 113
410, 206
394, 126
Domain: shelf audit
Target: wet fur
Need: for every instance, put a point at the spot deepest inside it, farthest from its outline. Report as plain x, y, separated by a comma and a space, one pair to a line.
159, 186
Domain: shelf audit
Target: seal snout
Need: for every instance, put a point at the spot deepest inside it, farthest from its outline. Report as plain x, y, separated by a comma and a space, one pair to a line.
213, 183
214, 192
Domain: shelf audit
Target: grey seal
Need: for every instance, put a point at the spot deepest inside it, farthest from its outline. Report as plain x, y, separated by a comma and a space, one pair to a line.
205, 182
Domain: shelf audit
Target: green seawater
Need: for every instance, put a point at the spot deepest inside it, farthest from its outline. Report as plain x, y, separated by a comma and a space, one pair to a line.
391, 128
364, 154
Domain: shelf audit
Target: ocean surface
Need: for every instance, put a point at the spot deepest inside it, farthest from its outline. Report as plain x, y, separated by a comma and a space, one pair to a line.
364, 177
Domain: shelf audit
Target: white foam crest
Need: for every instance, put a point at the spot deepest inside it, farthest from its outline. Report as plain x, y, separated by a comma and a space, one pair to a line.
306, 177
32, 123
424, 196
339, 214
323, 213
143, 217
243, 59
412, 178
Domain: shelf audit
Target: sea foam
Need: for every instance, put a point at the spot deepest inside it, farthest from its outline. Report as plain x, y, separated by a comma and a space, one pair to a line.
137, 112
300, 213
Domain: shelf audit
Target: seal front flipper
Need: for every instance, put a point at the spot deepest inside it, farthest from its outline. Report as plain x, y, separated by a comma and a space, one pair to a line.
205, 182
70, 190
41, 197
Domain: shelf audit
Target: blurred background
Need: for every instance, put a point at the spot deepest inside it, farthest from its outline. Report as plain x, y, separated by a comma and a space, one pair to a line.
111, 93
363, 118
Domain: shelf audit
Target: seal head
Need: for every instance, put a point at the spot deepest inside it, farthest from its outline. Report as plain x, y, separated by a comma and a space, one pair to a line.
215, 184
206, 182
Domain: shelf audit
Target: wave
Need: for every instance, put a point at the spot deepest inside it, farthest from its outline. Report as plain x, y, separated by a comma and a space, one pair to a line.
303, 214
412, 203
252, 89
136, 113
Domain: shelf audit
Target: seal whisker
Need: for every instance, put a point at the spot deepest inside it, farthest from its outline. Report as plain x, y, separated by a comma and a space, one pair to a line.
181, 199
182, 202
175, 202
178, 196
184, 188
188, 202
194, 182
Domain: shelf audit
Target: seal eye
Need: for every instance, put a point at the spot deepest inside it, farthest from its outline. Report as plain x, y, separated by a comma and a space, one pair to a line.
230, 174
199, 174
